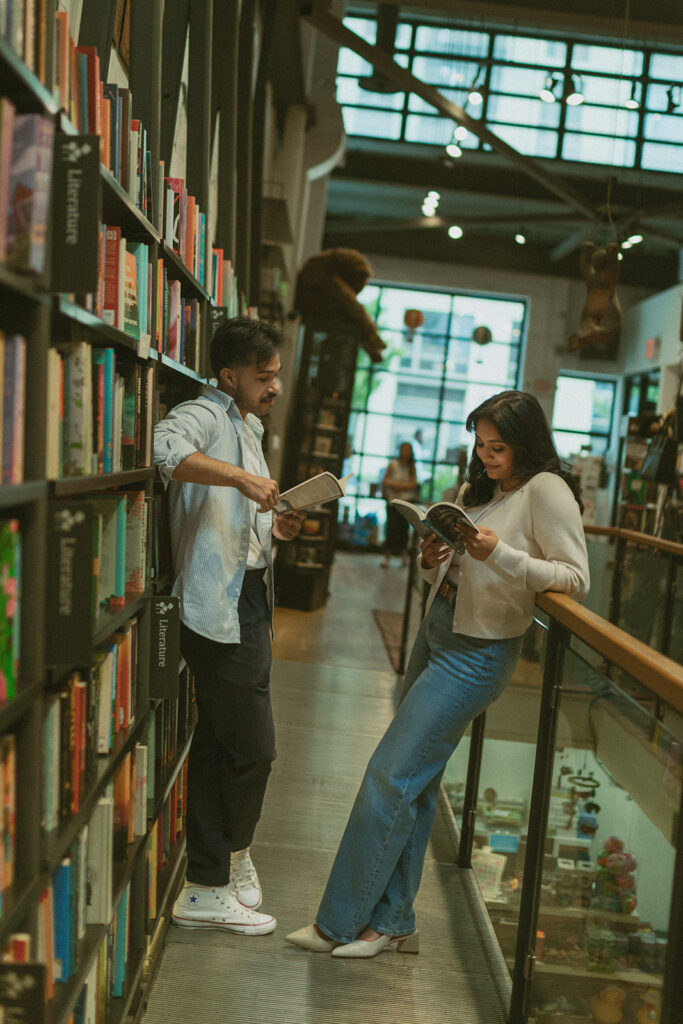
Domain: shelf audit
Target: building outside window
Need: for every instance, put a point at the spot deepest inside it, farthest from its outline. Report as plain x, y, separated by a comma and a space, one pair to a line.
431, 377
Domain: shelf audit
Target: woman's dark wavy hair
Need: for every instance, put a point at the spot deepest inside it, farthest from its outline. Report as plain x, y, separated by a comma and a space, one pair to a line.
521, 423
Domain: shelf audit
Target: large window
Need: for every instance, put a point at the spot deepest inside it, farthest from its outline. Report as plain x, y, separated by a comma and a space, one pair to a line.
627, 108
582, 415
466, 348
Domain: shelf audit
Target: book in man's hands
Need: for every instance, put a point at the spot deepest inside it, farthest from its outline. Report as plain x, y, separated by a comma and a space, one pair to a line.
441, 519
317, 491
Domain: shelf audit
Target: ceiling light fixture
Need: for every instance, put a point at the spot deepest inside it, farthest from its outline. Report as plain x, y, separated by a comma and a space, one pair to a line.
574, 94
430, 203
549, 91
460, 133
635, 239
455, 231
520, 238
454, 150
626, 244
633, 103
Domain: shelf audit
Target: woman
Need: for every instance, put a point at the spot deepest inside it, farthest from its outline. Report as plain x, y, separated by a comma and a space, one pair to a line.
399, 481
529, 539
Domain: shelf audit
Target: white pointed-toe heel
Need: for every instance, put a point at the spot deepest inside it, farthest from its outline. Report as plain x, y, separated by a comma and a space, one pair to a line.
308, 938
360, 949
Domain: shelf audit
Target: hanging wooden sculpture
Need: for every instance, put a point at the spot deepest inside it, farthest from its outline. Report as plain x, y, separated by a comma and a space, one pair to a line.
598, 335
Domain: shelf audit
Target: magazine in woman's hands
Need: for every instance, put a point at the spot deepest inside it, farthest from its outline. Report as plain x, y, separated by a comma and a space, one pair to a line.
442, 519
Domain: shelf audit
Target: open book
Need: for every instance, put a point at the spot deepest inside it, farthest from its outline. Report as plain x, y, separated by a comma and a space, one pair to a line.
441, 519
317, 491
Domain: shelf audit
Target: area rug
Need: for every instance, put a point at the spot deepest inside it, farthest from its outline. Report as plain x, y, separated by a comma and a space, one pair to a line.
390, 625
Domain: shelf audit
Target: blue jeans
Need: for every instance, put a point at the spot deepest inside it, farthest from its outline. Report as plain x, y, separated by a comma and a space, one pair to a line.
450, 680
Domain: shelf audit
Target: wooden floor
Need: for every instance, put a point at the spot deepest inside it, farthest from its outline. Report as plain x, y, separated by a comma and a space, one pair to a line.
333, 695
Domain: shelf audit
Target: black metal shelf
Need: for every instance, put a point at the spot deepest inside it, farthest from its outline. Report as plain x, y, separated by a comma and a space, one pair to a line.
118, 208
166, 363
28, 286
12, 710
68, 485
16, 80
112, 335
13, 496
180, 272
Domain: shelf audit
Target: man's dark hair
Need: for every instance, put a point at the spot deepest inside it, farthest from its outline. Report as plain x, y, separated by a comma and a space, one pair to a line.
243, 342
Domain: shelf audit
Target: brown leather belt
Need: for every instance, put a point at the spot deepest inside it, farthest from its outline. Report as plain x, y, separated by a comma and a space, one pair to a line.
448, 591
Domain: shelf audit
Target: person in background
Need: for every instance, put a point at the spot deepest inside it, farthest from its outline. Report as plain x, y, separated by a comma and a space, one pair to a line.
399, 481
528, 539
221, 501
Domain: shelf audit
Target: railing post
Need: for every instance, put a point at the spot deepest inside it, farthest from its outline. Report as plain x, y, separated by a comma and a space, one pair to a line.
558, 637
615, 594
671, 587
469, 811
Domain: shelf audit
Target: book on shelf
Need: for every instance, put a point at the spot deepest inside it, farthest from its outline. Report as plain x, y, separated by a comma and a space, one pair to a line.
121, 926
123, 807
100, 861
8, 793
317, 490
30, 180
141, 758
12, 422
114, 277
442, 518
64, 921
17, 948
7, 115
130, 319
10, 607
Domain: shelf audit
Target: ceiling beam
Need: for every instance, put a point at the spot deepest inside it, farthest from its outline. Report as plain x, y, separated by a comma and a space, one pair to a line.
339, 225
569, 245
383, 64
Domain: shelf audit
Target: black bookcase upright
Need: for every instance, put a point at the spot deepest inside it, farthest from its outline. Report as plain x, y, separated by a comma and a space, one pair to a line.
316, 442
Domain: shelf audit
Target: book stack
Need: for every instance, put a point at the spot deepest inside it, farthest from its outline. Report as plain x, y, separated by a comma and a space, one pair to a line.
10, 605
185, 227
179, 321
25, 179
223, 285
23, 23
99, 411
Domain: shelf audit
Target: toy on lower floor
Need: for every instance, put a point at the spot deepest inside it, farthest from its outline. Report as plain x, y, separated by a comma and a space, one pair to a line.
649, 1012
606, 1005
615, 887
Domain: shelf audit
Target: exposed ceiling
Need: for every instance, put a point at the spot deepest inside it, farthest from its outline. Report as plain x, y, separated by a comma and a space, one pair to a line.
375, 197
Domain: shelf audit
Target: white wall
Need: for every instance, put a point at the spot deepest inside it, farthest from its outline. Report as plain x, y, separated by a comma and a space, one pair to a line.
658, 317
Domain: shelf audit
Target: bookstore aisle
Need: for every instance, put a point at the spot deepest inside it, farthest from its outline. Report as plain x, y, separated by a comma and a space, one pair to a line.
331, 705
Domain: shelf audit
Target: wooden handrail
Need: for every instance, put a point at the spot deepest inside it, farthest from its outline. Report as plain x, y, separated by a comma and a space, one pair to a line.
635, 537
660, 674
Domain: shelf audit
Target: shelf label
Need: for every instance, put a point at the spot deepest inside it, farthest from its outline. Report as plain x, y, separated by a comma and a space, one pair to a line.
165, 646
70, 582
76, 214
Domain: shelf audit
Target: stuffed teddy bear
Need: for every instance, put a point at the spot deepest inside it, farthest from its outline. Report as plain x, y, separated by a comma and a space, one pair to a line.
615, 887
326, 289
598, 334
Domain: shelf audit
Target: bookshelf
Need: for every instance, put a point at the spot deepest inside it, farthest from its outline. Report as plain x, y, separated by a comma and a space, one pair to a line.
316, 442
94, 734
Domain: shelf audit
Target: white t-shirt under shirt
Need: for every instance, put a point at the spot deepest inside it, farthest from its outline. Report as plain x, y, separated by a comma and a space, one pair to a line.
252, 464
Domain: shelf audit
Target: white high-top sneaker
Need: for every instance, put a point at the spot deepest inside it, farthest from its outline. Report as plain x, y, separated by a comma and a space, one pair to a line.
244, 881
199, 906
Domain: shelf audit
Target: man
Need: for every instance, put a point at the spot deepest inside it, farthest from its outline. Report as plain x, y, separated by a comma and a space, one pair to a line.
220, 502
